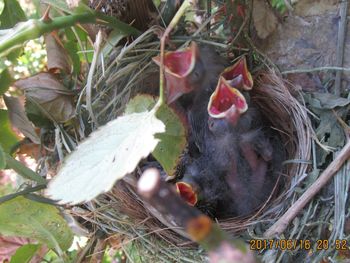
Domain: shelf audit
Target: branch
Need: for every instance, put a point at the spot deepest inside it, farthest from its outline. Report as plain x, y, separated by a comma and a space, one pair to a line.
200, 227
293, 211
34, 28
340, 45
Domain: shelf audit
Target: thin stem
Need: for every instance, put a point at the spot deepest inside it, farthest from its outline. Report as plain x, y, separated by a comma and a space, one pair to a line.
314, 70
23, 192
35, 28
171, 26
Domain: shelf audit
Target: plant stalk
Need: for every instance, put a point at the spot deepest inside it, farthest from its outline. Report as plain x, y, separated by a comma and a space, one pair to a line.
165, 36
35, 28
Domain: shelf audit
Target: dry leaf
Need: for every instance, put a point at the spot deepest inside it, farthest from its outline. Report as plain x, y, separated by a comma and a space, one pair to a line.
57, 57
31, 149
50, 95
19, 119
9, 245
265, 21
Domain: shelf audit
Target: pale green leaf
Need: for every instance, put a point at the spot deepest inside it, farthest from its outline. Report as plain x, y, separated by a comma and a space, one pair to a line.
42, 222
107, 155
173, 141
25, 253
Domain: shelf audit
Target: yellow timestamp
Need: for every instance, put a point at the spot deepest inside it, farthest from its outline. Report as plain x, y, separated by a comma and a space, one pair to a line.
293, 244
281, 244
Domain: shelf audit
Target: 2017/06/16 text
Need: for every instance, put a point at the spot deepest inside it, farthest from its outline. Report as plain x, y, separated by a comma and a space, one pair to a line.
293, 244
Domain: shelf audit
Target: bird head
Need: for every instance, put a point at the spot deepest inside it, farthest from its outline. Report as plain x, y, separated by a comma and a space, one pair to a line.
226, 102
181, 71
187, 193
238, 75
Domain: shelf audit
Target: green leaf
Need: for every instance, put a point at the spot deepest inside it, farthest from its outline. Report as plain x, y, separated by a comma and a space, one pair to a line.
5, 81
113, 39
71, 48
140, 103
2, 159
42, 222
59, 4
12, 14
23, 170
25, 253
107, 155
7, 136
173, 141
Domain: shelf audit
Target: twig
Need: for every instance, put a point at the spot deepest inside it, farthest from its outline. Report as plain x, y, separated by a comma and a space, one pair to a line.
199, 227
292, 212
306, 70
162, 198
340, 45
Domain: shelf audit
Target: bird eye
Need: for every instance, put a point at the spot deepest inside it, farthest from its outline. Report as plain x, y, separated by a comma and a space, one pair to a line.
211, 124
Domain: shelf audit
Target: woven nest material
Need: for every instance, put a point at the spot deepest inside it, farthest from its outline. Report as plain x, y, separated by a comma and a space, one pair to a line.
122, 213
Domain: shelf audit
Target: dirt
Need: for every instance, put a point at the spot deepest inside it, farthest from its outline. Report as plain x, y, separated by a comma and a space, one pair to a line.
307, 38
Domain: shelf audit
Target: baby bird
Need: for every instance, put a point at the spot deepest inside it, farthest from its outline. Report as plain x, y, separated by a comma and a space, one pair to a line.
203, 187
191, 75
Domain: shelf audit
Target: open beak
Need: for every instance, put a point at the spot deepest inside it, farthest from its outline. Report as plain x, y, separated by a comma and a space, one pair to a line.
187, 193
238, 75
177, 66
226, 102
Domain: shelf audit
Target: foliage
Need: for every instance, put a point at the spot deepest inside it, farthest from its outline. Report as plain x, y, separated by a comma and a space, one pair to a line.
280, 5
2, 159
7, 137
109, 154
45, 93
23, 217
172, 141
25, 253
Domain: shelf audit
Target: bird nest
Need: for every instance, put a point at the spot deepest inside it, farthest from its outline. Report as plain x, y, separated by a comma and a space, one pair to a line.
130, 224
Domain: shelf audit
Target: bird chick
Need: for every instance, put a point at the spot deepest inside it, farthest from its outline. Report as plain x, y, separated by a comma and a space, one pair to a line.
191, 75
206, 184
239, 147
